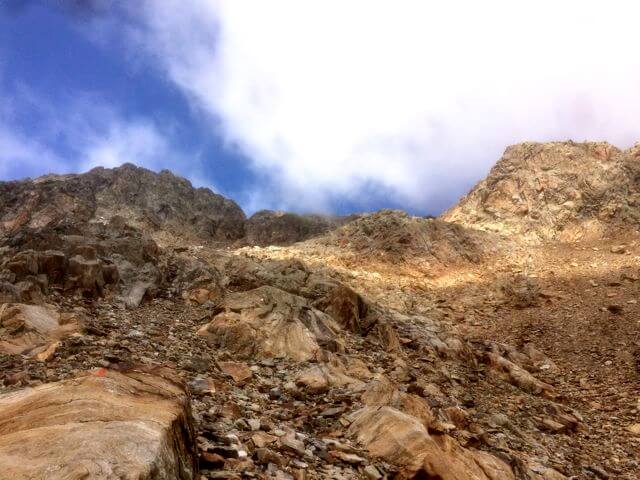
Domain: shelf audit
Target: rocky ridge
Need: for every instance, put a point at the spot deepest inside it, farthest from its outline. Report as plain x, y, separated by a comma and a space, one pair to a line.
162, 205
561, 190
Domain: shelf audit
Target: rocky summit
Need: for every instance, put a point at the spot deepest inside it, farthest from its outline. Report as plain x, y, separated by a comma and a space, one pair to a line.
150, 330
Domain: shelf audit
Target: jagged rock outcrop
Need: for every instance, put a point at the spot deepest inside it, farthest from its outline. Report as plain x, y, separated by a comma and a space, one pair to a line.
403, 440
557, 190
105, 424
103, 258
393, 235
146, 200
156, 203
267, 227
270, 322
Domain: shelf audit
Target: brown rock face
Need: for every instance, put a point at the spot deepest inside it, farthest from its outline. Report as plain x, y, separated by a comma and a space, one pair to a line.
267, 227
396, 235
32, 329
105, 424
559, 190
270, 322
147, 200
401, 439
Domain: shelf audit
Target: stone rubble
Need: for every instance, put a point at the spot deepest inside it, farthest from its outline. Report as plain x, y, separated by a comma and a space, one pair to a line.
389, 347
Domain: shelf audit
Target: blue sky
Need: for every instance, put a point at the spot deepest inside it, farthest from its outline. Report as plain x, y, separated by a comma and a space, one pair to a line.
52, 70
327, 106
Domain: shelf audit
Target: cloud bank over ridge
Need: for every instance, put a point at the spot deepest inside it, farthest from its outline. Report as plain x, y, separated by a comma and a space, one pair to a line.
334, 106
335, 99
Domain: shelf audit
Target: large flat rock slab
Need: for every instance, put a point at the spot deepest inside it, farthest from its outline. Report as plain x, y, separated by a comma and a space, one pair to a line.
103, 425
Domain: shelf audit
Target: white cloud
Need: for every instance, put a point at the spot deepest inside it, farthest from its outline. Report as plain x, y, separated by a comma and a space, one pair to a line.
20, 155
78, 135
333, 99
137, 142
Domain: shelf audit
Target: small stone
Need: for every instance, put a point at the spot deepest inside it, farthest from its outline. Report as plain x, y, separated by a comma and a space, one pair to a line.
498, 420
552, 426
347, 457
211, 461
265, 456
254, 424
299, 463
239, 371
372, 473
202, 386
16, 378
619, 249
634, 428
332, 412
600, 472
293, 445
262, 439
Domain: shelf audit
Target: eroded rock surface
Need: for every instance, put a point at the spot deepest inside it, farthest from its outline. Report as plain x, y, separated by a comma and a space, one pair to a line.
267, 227
105, 424
269, 322
146, 200
558, 190
34, 330
402, 440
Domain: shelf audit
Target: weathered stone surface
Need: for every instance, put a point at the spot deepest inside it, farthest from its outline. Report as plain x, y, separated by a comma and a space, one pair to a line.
32, 329
239, 371
354, 313
382, 392
267, 227
9, 293
269, 322
394, 235
85, 274
102, 425
327, 375
562, 190
519, 376
402, 440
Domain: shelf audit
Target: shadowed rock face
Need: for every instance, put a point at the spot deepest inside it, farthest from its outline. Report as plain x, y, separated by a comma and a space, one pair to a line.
396, 235
558, 190
104, 424
147, 200
267, 227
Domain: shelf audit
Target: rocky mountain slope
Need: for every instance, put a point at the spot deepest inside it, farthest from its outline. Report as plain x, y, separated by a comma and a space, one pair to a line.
156, 326
267, 227
161, 204
561, 190
144, 199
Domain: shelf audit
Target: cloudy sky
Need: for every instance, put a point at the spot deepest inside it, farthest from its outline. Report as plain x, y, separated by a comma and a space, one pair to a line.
334, 106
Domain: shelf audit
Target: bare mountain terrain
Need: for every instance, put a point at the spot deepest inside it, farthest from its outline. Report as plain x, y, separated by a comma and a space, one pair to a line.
149, 330
562, 190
